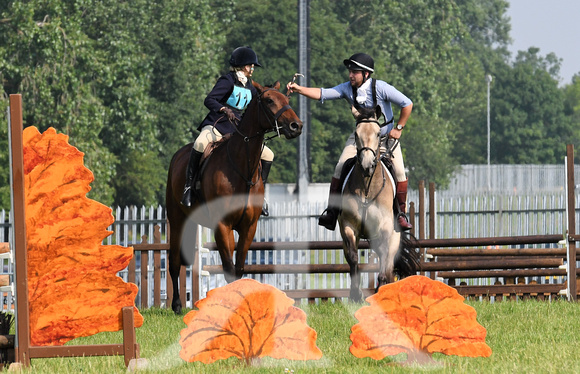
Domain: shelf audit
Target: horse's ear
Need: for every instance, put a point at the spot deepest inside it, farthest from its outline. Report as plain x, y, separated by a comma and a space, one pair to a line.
277, 85
257, 86
378, 111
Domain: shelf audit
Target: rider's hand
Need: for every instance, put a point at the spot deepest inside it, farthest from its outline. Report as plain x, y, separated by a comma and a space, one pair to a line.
395, 134
292, 86
229, 113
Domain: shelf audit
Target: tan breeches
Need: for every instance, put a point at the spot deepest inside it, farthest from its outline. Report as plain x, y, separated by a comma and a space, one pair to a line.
349, 151
210, 134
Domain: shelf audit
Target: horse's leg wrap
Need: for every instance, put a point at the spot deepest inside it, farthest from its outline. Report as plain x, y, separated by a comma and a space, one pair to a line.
194, 158
330, 215
402, 201
266, 166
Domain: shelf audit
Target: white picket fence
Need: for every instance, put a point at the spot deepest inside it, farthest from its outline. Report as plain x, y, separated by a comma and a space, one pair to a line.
460, 217
483, 215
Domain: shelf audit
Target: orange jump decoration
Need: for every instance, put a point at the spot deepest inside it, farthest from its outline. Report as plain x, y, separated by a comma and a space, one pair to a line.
417, 316
248, 320
73, 287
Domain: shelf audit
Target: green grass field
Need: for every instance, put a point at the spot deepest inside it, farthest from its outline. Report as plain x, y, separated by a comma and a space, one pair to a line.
525, 337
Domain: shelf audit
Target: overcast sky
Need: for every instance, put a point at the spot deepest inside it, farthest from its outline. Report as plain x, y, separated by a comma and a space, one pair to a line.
552, 26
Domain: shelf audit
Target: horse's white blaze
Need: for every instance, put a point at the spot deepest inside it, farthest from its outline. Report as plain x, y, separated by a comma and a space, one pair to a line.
367, 161
367, 133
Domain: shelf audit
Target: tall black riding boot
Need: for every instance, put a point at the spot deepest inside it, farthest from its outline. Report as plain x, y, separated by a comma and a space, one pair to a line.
330, 215
266, 165
194, 158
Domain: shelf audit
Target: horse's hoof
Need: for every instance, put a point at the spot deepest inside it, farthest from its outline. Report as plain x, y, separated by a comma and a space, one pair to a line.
176, 307
356, 296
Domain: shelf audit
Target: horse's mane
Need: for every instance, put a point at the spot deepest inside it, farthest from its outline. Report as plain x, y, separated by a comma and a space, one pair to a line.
366, 113
362, 114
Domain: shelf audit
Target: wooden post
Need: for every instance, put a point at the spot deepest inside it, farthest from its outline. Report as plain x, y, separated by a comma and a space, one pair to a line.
432, 218
183, 286
144, 278
22, 345
23, 351
572, 285
422, 231
156, 268
168, 281
431, 210
412, 217
195, 279
130, 346
422, 220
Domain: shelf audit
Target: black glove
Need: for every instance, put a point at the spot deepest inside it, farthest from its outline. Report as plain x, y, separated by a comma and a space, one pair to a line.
229, 113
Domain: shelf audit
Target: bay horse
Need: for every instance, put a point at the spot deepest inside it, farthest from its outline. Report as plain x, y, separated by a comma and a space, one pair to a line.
232, 191
367, 209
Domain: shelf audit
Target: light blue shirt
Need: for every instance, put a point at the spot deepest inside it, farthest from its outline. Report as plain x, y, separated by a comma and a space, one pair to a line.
386, 94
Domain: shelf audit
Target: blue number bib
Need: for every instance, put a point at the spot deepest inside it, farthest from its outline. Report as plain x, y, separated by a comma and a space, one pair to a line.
240, 98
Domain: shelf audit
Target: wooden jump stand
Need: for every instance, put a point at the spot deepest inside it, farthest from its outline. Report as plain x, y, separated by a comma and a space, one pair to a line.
571, 237
23, 350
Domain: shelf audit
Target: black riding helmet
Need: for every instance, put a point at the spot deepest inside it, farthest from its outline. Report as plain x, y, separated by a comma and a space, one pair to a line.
243, 56
360, 61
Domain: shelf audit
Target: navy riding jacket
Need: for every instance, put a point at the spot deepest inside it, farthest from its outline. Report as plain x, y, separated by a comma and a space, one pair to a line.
229, 92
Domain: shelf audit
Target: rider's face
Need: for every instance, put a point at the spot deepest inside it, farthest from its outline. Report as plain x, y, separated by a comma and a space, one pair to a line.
356, 77
249, 70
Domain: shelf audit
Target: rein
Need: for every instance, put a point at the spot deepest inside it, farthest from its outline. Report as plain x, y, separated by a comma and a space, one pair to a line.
272, 119
365, 200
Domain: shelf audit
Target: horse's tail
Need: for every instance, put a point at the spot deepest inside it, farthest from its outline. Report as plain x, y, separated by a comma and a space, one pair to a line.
407, 261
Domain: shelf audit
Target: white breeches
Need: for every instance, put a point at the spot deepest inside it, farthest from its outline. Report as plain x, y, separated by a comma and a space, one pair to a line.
349, 151
210, 134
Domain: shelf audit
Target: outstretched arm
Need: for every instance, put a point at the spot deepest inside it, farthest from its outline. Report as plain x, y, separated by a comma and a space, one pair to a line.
310, 92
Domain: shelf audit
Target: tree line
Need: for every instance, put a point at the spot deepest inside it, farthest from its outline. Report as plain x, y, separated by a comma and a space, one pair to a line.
126, 81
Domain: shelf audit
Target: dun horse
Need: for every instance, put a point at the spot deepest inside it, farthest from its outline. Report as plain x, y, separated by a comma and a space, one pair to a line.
367, 210
232, 191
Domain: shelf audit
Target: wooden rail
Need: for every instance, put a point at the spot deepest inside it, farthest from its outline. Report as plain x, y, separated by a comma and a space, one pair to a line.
448, 263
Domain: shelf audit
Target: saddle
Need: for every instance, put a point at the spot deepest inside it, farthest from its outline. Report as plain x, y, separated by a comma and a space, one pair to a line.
386, 161
349, 165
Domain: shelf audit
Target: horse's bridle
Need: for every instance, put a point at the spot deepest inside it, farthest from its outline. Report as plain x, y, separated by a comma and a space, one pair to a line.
271, 117
275, 117
375, 152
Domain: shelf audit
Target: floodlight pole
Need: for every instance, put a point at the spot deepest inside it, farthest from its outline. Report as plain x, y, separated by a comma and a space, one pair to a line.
303, 162
488, 79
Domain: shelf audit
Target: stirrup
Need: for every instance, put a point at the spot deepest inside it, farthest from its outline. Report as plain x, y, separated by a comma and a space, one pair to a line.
265, 211
328, 219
